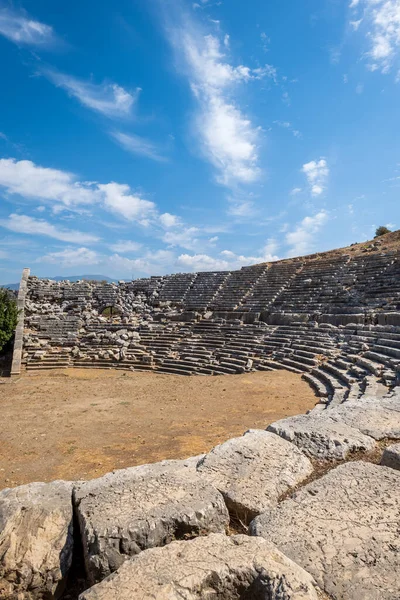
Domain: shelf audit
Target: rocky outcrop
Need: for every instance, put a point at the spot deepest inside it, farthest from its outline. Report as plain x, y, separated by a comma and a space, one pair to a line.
254, 470
216, 566
36, 539
131, 510
343, 529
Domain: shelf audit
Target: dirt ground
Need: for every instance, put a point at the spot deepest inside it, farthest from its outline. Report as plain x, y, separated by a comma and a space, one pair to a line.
80, 423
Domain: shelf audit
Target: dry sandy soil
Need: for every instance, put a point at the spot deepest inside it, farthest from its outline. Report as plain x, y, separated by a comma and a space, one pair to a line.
80, 424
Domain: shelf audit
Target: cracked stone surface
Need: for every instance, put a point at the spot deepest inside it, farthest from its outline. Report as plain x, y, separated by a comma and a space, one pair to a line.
376, 417
131, 510
216, 566
36, 539
344, 530
391, 457
320, 436
252, 471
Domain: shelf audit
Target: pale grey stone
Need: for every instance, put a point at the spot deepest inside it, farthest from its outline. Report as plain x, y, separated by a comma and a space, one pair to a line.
391, 457
36, 539
320, 436
344, 530
216, 566
252, 471
376, 417
131, 510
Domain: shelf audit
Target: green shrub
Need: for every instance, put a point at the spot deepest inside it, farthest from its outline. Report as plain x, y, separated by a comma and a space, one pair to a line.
381, 231
8, 316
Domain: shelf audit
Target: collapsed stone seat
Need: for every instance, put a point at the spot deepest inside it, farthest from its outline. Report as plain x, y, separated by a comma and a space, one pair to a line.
216, 566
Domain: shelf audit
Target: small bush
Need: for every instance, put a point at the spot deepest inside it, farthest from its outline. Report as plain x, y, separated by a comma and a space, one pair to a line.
8, 317
381, 231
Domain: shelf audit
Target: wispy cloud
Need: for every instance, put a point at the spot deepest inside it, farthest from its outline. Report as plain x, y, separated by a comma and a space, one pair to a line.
316, 172
107, 98
138, 145
32, 226
125, 247
302, 239
71, 257
20, 29
229, 139
380, 20
287, 125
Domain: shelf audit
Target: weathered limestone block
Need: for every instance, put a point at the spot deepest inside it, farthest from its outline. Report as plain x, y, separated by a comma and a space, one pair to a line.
344, 530
131, 510
252, 471
36, 539
320, 436
376, 417
391, 457
216, 566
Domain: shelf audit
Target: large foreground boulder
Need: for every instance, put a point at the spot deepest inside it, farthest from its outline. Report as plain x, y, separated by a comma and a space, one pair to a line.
131, 510
322, 437
344, 530
377, 417
36, 539
216, 566
252, 471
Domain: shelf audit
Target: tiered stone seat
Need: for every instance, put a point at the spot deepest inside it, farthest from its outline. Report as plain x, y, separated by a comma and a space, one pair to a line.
204, 288
175, 287
236, 287
269, 285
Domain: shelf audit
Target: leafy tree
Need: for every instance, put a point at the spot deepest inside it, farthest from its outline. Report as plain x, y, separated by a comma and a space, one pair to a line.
8, 316
381, 231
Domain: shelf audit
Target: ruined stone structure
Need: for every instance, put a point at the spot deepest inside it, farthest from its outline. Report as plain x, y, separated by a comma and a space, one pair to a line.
319, 524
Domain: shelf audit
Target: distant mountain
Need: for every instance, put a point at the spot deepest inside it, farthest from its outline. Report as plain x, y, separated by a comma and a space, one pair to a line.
15, 286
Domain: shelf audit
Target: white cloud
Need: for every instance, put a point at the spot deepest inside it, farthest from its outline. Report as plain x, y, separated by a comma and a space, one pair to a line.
167, 220
187, 237
71, 257
317, 173
227, 260
287, 125
241, 208
118, 199
295, 191
22, 30
125, 247
229, 139
382, 18
137, 145
109, 99
301, 240
31, 181
62, 190
32, 226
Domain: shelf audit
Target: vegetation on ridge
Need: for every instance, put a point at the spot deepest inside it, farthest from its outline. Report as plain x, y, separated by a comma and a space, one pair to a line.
8, 317
381, 230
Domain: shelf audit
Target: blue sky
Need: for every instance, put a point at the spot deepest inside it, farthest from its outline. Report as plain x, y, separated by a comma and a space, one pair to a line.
144, 137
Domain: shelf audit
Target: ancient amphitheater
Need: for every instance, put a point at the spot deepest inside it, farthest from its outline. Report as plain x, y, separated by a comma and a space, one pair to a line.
307, 509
